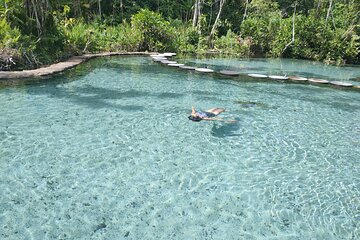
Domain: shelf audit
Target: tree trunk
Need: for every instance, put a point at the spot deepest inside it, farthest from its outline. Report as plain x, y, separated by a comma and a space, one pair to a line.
27, 6
245, 12
333, 19
211, 14
99, 5
318, 9
121, 10
197, 7
328, 11
39, 11
38, 23
222, 2
293, 30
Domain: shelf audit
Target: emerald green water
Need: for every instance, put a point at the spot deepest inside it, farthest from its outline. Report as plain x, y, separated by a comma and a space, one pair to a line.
105, 151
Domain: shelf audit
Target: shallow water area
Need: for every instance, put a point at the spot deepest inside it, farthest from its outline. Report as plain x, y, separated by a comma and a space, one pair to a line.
105, 151
282, 67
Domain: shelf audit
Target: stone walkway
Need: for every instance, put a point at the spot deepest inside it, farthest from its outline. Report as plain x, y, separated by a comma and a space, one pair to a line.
61, 66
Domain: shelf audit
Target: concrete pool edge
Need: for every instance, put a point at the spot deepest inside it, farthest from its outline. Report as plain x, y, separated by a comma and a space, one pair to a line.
63, 66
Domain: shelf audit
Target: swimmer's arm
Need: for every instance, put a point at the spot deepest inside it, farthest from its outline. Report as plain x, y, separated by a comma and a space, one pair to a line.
193, 110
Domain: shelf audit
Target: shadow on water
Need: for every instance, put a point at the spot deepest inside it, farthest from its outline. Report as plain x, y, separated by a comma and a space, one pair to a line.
76, 73
67, 76
96, 97
251, 104
222, 130
206, 93
92, 97
314, 95
167, 95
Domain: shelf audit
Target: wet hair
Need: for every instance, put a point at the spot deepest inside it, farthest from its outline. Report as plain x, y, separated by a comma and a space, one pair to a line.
194, 119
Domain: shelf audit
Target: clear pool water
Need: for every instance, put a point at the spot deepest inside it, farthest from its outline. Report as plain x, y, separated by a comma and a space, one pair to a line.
311, 69
105, 151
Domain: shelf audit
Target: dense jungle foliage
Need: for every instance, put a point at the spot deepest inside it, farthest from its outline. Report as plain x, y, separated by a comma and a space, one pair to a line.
37, 32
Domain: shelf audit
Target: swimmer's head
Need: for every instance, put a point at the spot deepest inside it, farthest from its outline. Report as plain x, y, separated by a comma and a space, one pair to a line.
194, 118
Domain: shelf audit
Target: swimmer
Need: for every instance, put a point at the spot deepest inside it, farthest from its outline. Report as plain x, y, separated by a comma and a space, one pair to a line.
197, 116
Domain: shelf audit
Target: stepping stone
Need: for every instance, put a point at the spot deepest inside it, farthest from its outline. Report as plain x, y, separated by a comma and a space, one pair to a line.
358, 87
255, 75
187, 67
169, 54
204, 70
317, 80
229, 73
296, 78
159, 59
341, 84
157, 55
278, 77
167, 62
175, 64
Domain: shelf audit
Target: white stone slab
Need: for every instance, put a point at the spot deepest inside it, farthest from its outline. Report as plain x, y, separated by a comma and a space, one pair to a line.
229, 73
317, 80
187, 67
296, 78
159, 59
341, 84
175, 64
157, 55
278, 77
255, 75
167, 62
169, 54
204, 70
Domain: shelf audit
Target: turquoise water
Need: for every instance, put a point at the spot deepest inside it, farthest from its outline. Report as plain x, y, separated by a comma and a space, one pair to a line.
105, 151
311, 69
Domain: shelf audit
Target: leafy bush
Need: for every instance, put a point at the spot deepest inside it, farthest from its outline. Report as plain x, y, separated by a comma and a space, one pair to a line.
10, 56
282, 37
82, 37
233, 44
156, 33
262, 25
9, 37
78, 37
186, 39
122, 38
315, 38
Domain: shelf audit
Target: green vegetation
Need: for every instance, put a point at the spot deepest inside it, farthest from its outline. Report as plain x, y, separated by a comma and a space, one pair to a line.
35, 32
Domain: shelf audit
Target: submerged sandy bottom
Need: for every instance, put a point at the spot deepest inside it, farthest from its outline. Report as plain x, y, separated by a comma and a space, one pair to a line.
106, 152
